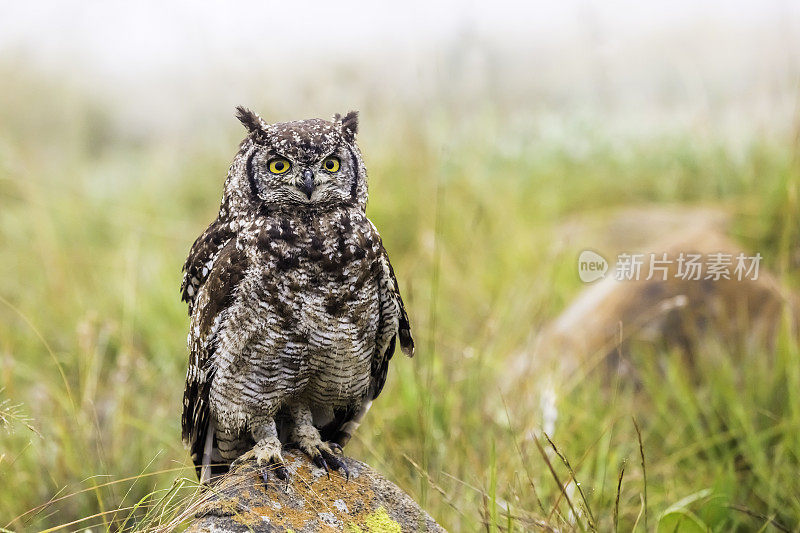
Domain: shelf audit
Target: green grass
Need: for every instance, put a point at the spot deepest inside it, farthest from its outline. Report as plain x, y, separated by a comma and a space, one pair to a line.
94, 227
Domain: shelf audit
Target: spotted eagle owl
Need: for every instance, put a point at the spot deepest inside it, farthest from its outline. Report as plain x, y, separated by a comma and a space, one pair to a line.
294, 307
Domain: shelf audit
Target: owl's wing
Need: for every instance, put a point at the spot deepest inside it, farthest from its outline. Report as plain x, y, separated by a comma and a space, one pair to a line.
210, 305
393, 324
201, 258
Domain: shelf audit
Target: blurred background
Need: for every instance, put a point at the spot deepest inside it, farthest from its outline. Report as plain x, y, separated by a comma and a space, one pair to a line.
501, 140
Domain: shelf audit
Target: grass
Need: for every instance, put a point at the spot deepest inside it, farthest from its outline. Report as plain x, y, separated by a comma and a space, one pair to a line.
94, 226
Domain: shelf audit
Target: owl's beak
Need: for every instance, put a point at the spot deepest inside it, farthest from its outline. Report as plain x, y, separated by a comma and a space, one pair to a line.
307, 186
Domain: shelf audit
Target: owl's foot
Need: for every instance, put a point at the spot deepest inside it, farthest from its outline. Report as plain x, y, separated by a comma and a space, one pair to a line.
327, 459
322, 454
306, 437
267, 453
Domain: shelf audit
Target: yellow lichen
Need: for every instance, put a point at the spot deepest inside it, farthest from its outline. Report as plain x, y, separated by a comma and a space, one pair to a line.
379, 521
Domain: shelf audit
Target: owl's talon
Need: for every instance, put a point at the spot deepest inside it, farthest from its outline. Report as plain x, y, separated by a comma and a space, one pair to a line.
335, 448
319, 460
336, 463
281, 472
277, 468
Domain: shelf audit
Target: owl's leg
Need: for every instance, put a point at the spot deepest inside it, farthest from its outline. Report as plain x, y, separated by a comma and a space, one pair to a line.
231, 445
267, 450
306, 436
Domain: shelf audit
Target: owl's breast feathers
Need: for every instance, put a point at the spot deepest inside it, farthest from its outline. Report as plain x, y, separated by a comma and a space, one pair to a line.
335, 255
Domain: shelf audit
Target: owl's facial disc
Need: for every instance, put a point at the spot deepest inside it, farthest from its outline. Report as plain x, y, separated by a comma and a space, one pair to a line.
293, 171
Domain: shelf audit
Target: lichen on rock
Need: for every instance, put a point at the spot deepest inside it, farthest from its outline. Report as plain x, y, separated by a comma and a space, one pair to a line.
311, 501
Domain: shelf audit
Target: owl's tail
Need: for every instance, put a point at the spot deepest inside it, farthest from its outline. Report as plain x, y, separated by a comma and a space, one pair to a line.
208, 448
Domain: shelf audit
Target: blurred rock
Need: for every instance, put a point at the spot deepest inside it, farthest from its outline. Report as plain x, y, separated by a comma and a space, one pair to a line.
610, 316
639, 228
310, 502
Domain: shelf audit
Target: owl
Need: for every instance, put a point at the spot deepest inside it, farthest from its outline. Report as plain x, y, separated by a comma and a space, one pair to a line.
294, 307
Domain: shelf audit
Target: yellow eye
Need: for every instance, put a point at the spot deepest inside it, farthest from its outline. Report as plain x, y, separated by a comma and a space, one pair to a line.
279, 165
331, 164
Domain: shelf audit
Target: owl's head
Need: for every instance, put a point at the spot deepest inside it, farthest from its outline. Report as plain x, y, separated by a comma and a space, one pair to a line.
299, 164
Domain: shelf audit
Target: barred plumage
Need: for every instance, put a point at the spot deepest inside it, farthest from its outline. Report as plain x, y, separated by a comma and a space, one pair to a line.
294, 307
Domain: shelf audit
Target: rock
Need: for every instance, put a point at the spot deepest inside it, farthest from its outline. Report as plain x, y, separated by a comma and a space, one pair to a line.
310, 502
609, 316
744, 314
611, 319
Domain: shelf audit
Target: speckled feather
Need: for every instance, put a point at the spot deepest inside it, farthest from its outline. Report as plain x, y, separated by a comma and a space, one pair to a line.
292, 300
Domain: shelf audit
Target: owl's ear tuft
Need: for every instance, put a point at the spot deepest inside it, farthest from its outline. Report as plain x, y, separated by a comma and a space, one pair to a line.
349, 125
250, 120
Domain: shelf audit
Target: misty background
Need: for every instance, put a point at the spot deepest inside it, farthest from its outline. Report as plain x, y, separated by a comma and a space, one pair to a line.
630, 67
